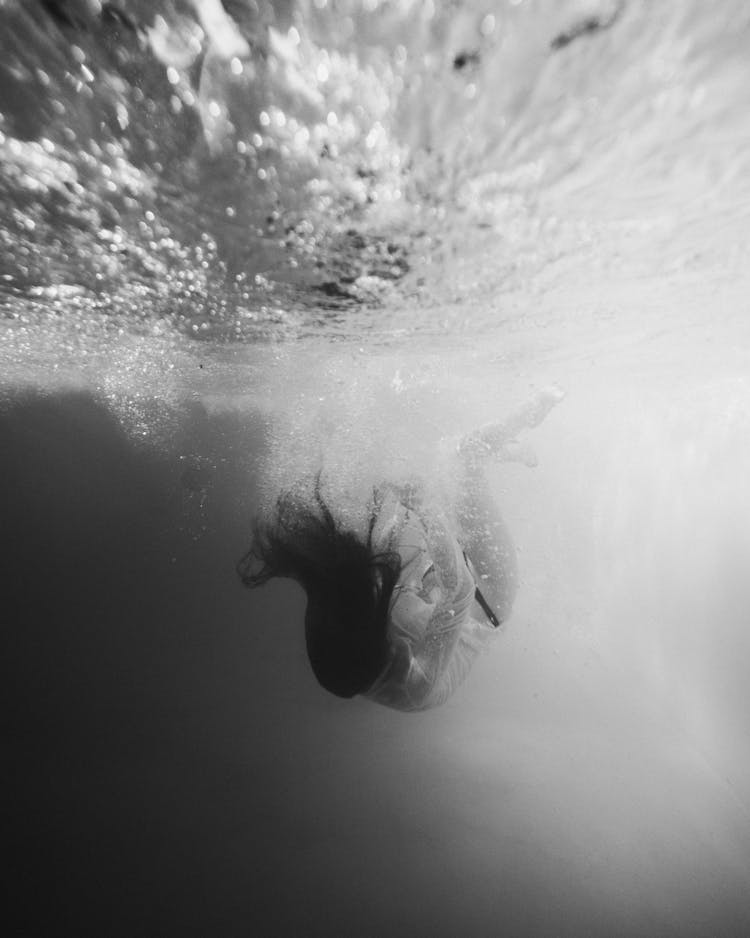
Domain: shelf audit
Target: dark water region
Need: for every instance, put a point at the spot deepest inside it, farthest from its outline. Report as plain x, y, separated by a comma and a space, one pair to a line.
132, 806
243, 240
175, 769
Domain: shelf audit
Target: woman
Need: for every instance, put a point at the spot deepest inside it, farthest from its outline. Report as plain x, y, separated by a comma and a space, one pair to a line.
398, 612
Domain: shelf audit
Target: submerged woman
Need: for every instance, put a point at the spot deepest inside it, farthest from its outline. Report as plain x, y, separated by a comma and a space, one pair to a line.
398, 612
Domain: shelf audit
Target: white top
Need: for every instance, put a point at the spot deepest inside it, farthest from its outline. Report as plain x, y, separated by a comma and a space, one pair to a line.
432, 635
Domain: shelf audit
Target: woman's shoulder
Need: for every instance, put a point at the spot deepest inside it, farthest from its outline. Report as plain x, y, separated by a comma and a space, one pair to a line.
409, 493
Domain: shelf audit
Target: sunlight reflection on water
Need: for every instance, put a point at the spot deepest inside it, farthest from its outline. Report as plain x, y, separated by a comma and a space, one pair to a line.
292, 172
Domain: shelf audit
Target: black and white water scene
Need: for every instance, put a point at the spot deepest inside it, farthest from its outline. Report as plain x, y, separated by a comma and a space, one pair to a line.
375, 460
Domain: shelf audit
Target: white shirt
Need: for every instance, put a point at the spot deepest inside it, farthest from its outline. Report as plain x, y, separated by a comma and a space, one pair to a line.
432, 636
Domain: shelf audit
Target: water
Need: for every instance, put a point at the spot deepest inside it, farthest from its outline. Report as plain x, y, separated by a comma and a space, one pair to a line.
240, 243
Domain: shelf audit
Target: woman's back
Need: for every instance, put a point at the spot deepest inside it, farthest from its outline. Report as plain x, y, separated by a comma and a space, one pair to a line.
432, 634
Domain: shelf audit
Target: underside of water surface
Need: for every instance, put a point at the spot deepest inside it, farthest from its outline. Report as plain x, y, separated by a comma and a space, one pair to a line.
242, 242
251, 171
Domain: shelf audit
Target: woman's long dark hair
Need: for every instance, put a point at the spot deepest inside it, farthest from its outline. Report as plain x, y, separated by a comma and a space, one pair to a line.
348, 586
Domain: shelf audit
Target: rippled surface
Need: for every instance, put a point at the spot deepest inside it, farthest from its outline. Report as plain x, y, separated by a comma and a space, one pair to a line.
360, 169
